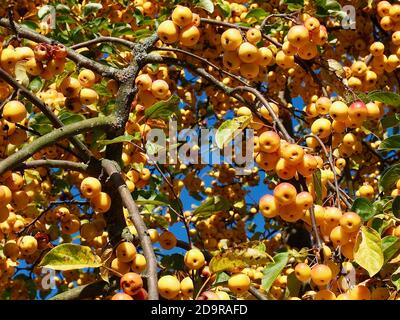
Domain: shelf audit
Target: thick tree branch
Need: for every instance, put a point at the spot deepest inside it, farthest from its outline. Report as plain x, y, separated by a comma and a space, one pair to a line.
50, 138
114, 173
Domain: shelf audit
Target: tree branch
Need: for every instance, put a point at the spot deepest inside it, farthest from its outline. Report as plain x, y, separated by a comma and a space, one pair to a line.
114, 173
62, 164
101, 39
48, 139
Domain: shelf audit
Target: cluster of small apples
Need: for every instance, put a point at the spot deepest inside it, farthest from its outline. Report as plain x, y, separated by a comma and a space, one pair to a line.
389, 15
245, 56
78, 91
183, 27
152, 89
302, 40
286, 159
91, 189
127, 259
219, 230
286, 202
332, 282
14, 113
131, 284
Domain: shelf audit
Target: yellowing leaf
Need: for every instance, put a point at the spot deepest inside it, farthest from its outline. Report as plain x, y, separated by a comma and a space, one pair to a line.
244, 255
368, 251
229, 129
70, 256
20, 73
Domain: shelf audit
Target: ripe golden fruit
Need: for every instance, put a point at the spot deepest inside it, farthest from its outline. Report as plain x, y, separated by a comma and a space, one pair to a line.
27, 244
101, 202
88, 96
144, 82
159, 89
119, 266
87, 78
321, 128
253, 35
285, 193
239, 283
126, 252
269, 141
5, 195
182, 16
194, 259
360, 293
338, 111
70, 87
187, 287
189, 36
338, 236
292, 153
231, 39
265, 56
168, 32
298, 36
321, 274
249, 70
169, 287
303, 272
325, 295
14, 111
268, 206
312, 24
121, 296
350, 222
248, 52
139, 263
90, 187
131, 283
167, 240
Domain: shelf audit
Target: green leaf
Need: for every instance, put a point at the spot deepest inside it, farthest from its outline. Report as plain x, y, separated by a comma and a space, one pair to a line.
390, 245
29, 24
221, 278
229, 129
389, 98
257, 13
211, 205
389, 177
68, 117
120, 139
206, 5
380, 225
70, 256
31, 175
327, 7
40, 123
317, 186
364, 208
273, 270
91, 8
294, 5
293, 285
396, 207
392, 120
245, 254
391, 143
395, 278
36, 84
368, 250
163, 109
224, 8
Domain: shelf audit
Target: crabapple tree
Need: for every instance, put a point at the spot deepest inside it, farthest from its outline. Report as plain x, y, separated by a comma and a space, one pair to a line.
88, 205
